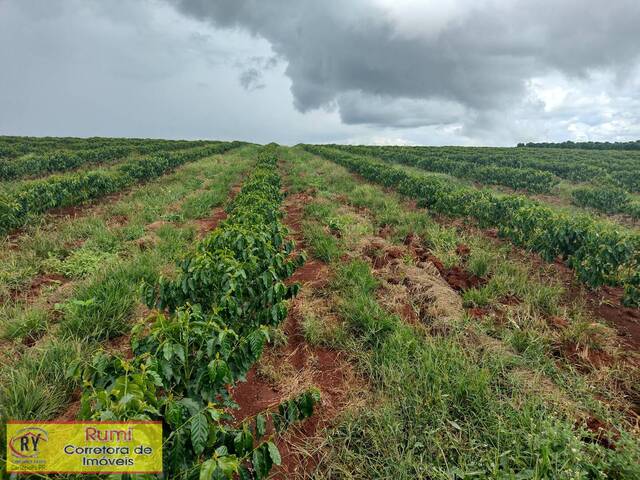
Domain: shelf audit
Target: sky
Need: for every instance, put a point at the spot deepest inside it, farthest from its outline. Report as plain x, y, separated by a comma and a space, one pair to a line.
445, 72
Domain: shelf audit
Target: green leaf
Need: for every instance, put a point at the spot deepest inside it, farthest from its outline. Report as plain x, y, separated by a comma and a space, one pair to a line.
207, 469
157, 380
199, 433
256, 341
222, 450
261, 425
259, 464
243, 441
192, 406
306, 405
179, 351
244, 473
274, 453
167, 351
315, 395
228, 465
279, 422
173, 414
219, 371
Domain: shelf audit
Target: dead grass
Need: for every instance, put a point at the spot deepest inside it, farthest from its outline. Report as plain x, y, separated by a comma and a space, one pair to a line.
411, 290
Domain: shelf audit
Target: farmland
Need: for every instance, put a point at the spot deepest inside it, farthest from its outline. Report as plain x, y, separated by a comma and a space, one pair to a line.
328, 311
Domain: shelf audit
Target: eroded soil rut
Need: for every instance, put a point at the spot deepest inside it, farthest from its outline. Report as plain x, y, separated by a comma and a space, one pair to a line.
411, 285
302, 365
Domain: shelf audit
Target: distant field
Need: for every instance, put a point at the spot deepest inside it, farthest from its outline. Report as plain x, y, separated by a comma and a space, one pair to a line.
327, 311
606, 181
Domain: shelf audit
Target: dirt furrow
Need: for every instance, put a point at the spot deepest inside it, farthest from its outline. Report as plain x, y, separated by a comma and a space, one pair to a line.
299, 365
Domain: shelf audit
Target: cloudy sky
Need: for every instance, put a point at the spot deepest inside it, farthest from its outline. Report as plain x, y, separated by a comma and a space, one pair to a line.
468, 72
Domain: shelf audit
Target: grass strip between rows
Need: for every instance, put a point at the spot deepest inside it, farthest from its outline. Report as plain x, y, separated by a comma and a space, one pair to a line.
443, 408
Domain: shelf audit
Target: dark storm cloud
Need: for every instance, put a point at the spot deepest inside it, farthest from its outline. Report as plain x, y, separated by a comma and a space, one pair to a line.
490, 72
478, 56
251, 79
252, 74
357, 108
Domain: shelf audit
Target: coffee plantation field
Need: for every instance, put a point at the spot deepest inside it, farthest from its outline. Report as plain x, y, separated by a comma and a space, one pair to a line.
328, 311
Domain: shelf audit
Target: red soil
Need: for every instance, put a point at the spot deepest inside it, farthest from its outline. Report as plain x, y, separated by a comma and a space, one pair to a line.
436, 262
43, 280
603, 434
457, 278
254, 396
463, 250
510, 300
313, 273
327, 373
206, 225
385, 232
461, 280
33, 290
604, 303
479, 312
409, 314
72, 211
71, 413
558, 323
326, 369
118, 220
381, 255
120, 346
585, 358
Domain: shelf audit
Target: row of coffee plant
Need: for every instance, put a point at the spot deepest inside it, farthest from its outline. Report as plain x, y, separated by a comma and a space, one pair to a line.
620, 167
14, 147
59, 160
599, 253
633, 145
535, 181
606, 198
210, 326
33, 197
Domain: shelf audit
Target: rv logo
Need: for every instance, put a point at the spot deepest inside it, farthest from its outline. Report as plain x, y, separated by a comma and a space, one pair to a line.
28, 442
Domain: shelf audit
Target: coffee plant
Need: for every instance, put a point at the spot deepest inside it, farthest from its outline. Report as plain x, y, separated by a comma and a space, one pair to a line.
210, 326
522, 178
619, 167
605, 198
